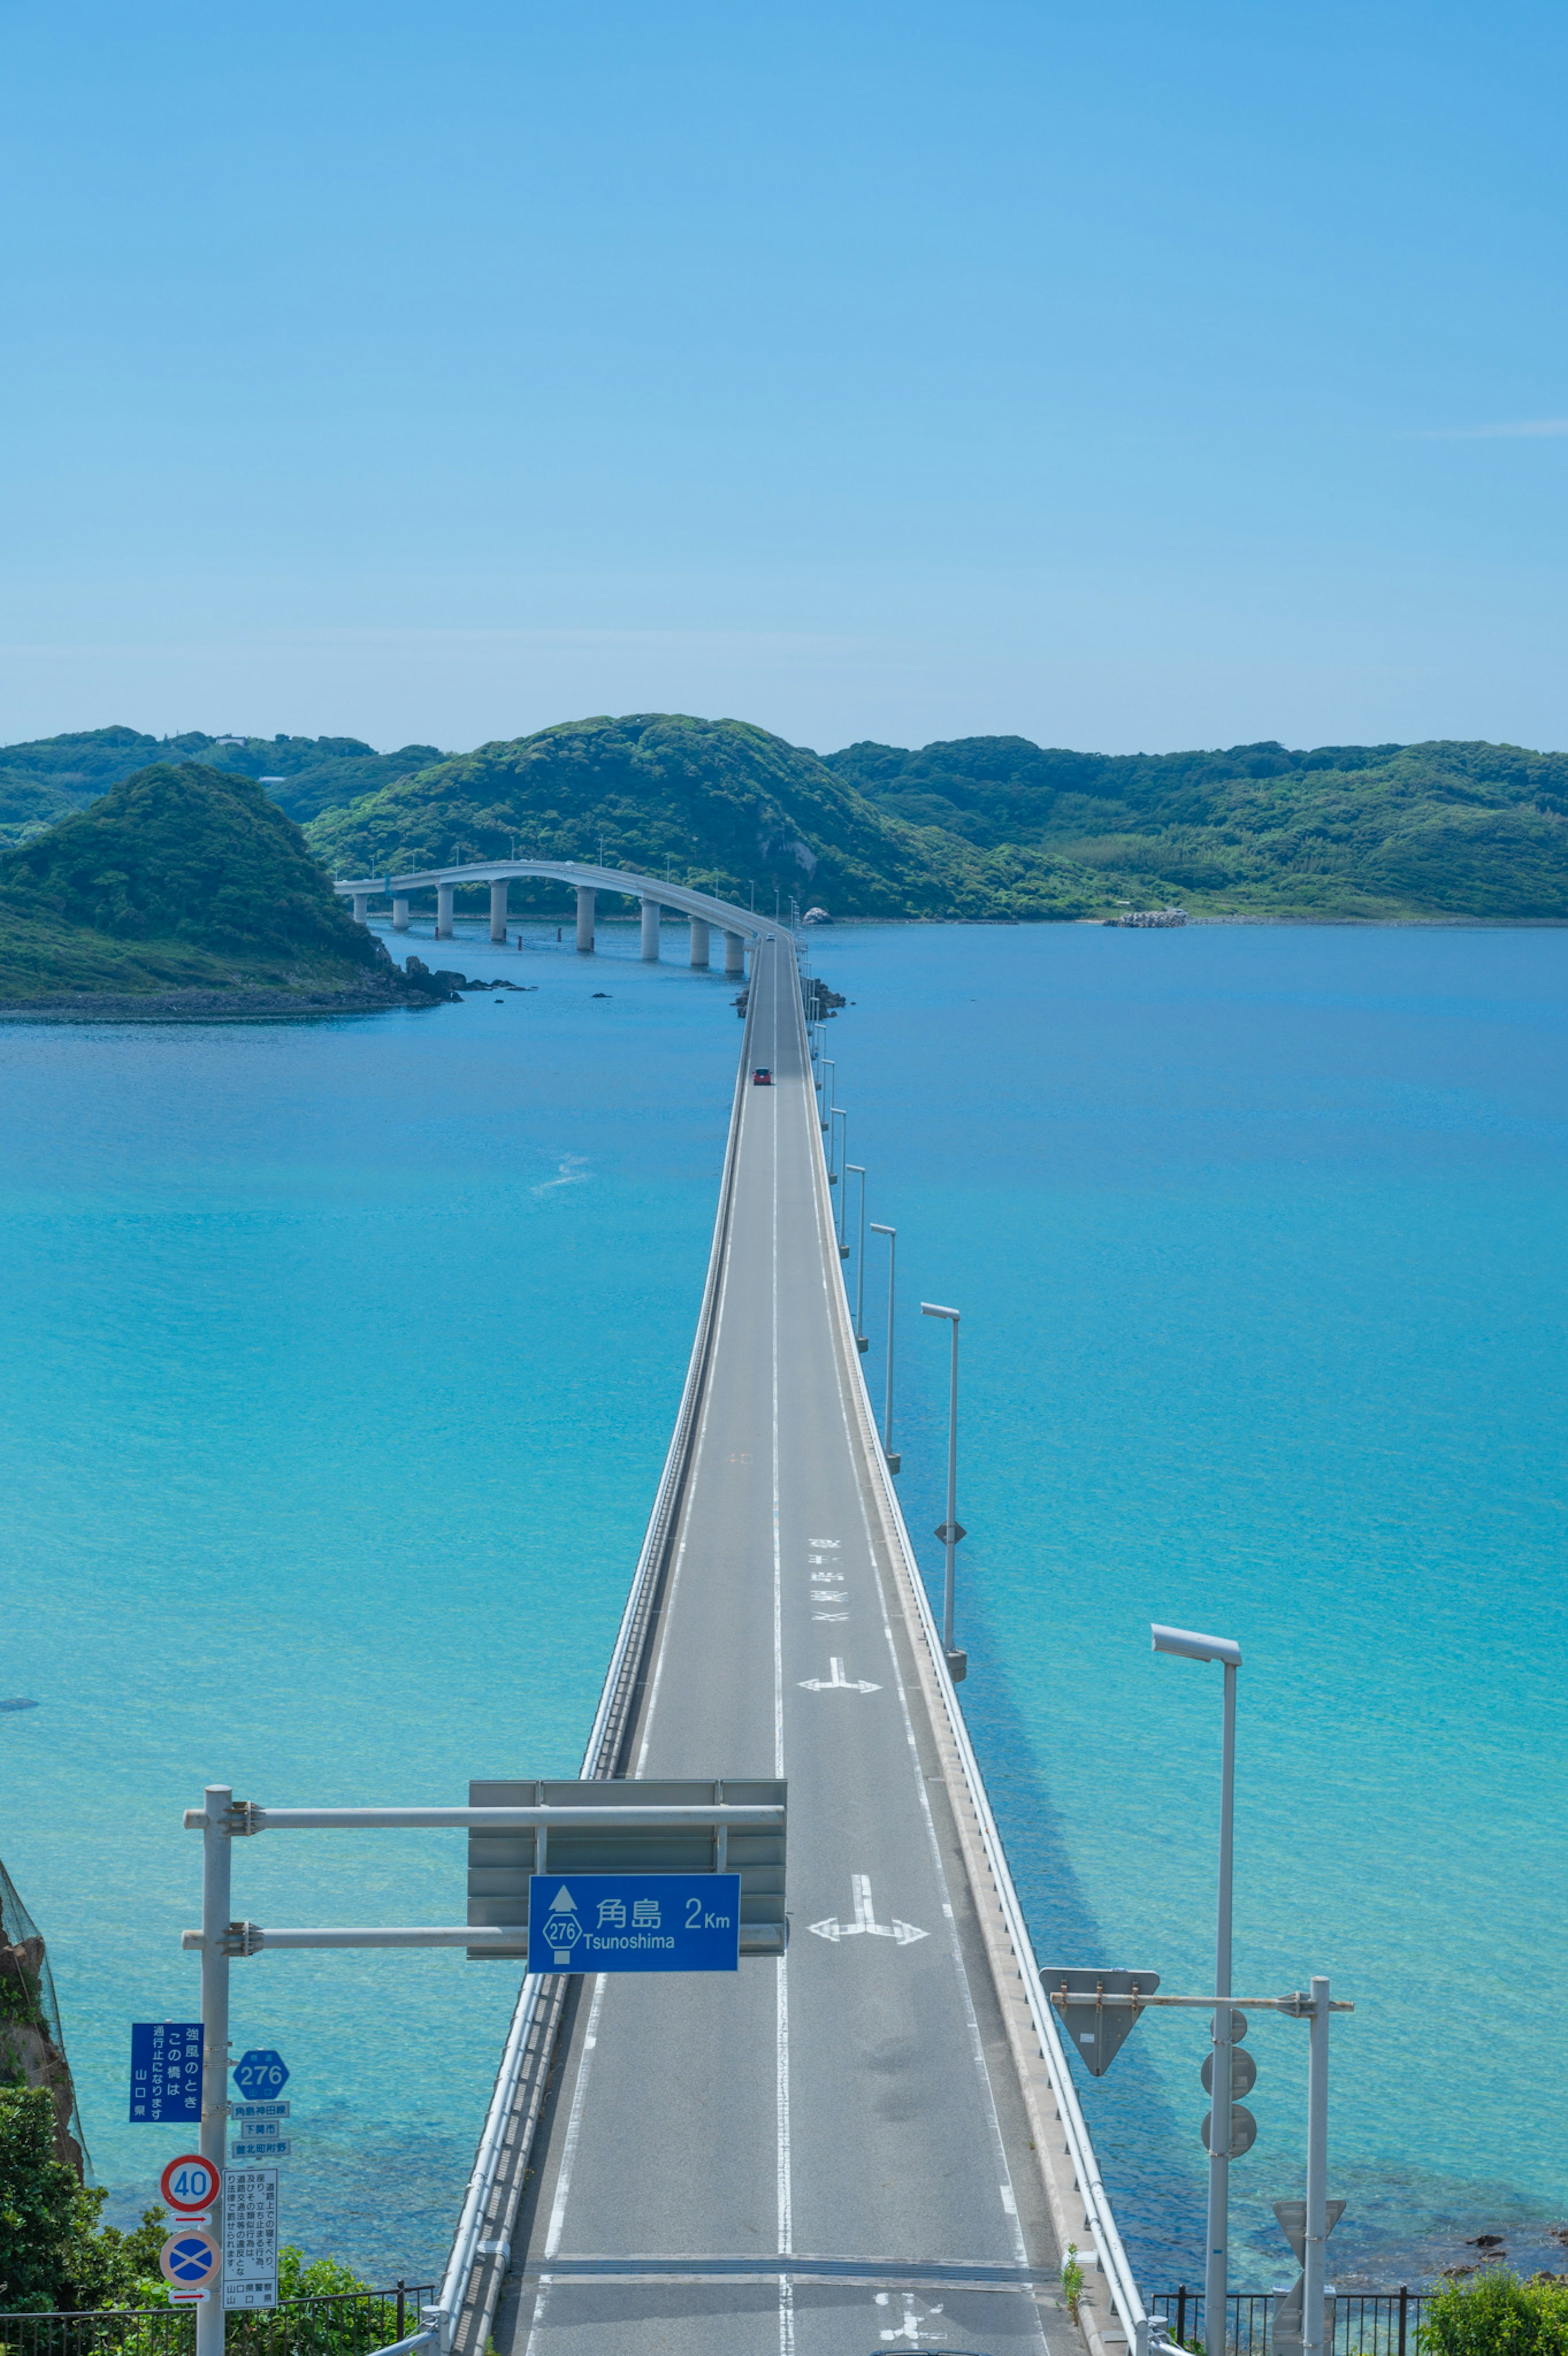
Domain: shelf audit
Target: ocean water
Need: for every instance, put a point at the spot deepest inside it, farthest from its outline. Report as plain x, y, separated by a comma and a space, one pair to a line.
341, 1359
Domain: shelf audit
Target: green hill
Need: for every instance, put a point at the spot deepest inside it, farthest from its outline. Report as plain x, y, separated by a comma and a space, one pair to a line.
180, 879
41, 781
730, 808
1372, 830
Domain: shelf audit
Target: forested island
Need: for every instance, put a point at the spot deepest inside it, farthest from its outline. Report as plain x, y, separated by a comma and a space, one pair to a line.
982, 828
182, 891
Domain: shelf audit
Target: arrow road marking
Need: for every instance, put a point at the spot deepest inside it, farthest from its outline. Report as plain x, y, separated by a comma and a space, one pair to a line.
865, 1921
917, 2319
838, 1682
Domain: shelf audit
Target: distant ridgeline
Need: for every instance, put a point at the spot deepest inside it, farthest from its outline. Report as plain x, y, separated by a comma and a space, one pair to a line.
987, 827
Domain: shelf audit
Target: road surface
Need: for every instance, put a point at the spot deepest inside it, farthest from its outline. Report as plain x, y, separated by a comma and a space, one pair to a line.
826, 2154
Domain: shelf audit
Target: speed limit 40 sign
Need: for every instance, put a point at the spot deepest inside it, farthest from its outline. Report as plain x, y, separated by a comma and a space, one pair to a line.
190, 2184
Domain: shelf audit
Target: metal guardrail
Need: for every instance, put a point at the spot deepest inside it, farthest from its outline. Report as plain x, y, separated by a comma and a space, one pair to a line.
342, 2323
603, 1757
1358, 2323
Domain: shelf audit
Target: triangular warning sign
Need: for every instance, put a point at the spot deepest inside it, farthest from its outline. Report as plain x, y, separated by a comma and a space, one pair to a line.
1095, 2031
562, 1902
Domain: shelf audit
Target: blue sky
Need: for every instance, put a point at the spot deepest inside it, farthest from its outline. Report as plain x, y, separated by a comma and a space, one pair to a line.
1117, 375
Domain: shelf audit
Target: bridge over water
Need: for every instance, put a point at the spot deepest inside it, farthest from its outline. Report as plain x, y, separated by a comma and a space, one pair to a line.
872, 2141
705, 912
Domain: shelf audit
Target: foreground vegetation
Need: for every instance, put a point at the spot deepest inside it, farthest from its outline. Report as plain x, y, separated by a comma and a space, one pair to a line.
1498, 2315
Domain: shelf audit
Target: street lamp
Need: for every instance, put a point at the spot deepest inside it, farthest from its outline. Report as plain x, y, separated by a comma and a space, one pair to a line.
828, 1087
840, 1112
893, 1462
862, 1339
951, 1530
1189, 1646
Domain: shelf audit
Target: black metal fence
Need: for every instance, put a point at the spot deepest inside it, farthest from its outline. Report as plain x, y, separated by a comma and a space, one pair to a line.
1359, 2323
348, 2323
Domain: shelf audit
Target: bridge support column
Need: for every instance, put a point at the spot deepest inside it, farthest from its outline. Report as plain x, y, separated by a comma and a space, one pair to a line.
399, 915
699, 942
444, 893
651, 912
361, 907
586, 897
497, 911
735, 957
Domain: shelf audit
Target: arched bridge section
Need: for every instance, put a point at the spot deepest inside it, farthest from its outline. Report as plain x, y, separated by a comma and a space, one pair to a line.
740, 926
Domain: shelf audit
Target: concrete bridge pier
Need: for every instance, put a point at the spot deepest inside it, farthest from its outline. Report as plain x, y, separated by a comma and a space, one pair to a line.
444, 895
735, 957
361, 907
499, 910
399, 915
587, 899
700, 943
651, 912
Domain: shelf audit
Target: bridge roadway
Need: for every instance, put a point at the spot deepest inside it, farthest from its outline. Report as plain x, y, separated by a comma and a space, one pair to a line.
827, 2153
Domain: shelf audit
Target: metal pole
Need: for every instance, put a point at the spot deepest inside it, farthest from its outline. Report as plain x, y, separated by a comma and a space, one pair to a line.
839, 1113
1215, 2269
1315, 2249
828, 1088
892, 1236
860, 1261
217, 1875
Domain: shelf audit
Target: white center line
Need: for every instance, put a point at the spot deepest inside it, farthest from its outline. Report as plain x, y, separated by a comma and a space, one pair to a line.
785, 2192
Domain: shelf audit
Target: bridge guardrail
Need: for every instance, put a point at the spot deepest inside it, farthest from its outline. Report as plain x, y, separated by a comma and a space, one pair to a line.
531, 2039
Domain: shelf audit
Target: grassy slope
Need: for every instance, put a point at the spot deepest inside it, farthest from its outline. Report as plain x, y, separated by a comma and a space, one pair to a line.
41, 781
1439, 828
179, 877
729, 804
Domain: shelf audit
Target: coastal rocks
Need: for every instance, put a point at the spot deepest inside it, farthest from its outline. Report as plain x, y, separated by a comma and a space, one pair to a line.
29, 2048
816, 916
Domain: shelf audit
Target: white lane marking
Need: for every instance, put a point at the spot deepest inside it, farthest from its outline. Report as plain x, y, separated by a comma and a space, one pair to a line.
1007, 2201
838, 1682
830, 1615
865, 1923
574, 2130
827, 1542
786, 2202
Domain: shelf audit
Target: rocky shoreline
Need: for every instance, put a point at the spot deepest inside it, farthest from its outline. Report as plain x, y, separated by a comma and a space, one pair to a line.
244, 1003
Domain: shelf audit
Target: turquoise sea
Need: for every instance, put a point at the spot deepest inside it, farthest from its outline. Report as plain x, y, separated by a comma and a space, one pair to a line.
341, 1362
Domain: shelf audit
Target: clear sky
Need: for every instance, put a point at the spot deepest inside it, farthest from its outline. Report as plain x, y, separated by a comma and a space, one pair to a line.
1126, 376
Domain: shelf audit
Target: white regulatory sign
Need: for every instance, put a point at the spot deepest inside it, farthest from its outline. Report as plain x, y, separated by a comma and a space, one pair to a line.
250, 2237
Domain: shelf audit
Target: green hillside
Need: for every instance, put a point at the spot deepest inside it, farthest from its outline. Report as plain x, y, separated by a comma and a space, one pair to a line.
729, 807
180, 879
1382, 829
41, 781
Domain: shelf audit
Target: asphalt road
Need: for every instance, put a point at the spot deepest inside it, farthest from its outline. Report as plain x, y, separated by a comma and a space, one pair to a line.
825, 2154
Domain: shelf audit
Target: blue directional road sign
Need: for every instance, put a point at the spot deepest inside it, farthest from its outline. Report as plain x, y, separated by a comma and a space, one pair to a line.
634, 1922
261, 2073
166, 2070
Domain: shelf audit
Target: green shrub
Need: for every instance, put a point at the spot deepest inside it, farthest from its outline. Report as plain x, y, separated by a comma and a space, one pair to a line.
1496, 2315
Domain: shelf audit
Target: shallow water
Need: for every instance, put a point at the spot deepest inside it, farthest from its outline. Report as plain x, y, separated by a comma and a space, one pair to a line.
343, 1357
